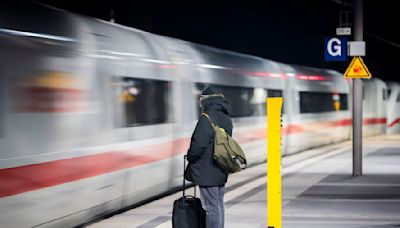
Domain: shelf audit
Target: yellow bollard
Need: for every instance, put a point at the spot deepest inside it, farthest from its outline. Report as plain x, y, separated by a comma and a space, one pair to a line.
274, 203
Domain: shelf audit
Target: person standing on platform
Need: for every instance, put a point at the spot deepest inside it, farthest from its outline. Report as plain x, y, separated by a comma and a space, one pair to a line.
201, 169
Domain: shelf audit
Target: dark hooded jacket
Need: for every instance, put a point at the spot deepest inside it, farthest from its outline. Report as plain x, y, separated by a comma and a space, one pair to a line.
201, 169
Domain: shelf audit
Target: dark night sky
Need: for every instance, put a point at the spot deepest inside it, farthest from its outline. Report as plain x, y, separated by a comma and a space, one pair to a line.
287, 31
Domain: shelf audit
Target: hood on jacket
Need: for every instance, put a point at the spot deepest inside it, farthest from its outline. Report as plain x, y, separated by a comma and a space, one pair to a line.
215, 102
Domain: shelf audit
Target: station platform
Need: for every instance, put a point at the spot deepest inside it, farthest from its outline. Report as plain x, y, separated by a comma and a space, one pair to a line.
318, 191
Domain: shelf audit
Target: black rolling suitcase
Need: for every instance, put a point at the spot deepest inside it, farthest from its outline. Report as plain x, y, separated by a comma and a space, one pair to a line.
187, 211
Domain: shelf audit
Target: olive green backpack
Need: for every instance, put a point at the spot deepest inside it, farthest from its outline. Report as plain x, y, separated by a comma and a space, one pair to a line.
228, 155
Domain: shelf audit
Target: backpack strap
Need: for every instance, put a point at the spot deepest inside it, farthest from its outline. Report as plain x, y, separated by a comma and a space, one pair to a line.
209, 119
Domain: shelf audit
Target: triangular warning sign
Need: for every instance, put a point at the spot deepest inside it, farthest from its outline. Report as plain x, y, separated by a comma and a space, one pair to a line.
357, 69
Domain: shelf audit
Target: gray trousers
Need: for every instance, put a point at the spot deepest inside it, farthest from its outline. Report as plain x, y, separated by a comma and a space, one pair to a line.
212, 199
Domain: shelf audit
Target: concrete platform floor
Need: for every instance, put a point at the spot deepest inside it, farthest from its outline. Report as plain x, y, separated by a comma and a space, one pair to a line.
318, 191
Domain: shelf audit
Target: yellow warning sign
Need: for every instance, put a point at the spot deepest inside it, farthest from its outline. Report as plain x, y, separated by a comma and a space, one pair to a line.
357, 69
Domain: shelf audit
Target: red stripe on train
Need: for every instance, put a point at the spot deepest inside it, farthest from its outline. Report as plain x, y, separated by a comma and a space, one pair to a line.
344, 122
33, 177
397, 121
368, 121
375, 121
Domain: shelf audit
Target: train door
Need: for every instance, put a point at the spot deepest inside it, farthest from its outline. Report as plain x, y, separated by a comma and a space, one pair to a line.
290, 107
382, 103
2, 97
2, 108
374, 107
393, 108
180, 56
143, 97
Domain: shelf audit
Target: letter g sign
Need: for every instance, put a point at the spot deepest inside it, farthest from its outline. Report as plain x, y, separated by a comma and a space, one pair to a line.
335, 49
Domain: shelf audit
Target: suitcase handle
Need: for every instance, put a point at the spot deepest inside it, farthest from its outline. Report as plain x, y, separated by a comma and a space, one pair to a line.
184, 182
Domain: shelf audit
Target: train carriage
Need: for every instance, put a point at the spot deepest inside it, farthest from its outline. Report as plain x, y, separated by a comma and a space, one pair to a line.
95, 117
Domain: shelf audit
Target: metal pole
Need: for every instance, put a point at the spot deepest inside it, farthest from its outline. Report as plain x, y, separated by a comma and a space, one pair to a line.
112, 11
274, 178
357, 95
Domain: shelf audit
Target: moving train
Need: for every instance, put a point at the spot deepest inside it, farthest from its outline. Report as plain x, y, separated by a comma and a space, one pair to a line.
95, 116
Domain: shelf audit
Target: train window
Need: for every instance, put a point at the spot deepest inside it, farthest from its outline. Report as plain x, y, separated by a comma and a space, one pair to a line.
398, 98
363, 93
384, 94
316, 102
343, 98
274, 93
388, 93
245, 101
144, 101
